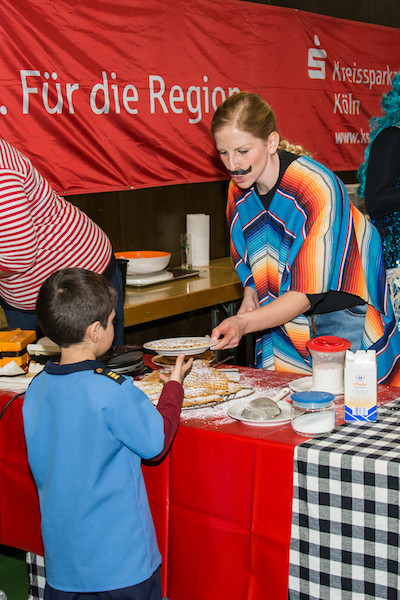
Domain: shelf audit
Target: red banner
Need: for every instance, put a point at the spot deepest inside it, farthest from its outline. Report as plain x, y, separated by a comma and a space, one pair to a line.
119, 95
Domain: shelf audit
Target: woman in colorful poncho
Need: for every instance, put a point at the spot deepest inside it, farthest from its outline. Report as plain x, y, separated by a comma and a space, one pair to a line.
310, 262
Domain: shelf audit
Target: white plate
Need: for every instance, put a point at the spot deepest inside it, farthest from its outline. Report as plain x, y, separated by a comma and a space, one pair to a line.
304, 384
149, 279
174, 346
235, 412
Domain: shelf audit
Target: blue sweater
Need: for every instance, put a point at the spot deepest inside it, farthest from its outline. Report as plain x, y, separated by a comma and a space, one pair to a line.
86, 434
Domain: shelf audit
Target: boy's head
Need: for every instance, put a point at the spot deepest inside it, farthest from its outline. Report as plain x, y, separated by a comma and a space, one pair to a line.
72, 299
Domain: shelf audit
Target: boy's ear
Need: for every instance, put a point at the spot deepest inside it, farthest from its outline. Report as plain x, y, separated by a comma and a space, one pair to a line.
92, 332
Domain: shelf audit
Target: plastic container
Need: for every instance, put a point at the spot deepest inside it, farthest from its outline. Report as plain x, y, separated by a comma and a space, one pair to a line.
145, 261
313, 413
328, 353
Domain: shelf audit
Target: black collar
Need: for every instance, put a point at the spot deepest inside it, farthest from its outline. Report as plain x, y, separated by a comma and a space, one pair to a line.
85, 365
285, 158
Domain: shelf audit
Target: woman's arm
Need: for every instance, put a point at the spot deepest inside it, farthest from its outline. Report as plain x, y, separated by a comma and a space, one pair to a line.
281, 310
250, 300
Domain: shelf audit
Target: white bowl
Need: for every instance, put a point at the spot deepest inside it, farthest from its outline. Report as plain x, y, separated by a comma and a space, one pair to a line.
145, 261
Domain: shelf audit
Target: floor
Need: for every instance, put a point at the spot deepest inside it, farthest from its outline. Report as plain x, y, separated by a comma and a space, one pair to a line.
13, 573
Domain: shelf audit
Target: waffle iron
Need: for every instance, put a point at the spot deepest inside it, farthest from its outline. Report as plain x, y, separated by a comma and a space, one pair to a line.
125, 360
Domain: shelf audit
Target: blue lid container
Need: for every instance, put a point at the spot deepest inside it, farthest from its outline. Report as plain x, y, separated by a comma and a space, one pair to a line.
312, 400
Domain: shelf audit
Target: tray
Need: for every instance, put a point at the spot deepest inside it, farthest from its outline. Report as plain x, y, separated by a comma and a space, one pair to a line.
161, 277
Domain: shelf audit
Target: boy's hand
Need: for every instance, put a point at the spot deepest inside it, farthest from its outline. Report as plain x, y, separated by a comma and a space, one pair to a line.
180, 368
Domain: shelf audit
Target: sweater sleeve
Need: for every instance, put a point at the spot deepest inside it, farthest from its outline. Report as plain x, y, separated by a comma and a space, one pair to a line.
382, 191
169, 406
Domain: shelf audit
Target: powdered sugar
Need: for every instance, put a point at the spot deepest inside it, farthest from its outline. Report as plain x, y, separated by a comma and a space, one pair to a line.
218, 413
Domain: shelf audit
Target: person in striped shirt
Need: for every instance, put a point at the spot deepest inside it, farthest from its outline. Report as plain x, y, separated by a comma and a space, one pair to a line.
310, 262
40, 233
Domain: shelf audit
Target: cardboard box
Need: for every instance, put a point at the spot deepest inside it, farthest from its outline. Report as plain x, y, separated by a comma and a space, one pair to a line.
360, 386
13, 346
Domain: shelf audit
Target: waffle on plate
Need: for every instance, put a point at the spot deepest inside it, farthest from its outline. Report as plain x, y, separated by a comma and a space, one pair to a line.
201, 385
208, 356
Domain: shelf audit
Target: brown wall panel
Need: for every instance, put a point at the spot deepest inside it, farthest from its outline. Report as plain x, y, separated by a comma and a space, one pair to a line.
386, 12
152, 219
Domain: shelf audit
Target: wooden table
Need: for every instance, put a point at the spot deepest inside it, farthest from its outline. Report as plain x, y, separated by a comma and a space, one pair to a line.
217, 284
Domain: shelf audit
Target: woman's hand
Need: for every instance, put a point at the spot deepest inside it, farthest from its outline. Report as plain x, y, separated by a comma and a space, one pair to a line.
231, 330
250, 301
278, 312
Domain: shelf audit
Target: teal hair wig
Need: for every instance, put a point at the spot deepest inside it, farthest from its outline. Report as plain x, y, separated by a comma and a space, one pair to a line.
391, 116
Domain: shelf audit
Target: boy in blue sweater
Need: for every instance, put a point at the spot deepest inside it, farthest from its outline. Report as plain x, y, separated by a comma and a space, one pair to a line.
86, 431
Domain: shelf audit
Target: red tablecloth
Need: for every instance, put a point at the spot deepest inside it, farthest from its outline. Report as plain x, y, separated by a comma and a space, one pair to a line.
221, 501
19, 505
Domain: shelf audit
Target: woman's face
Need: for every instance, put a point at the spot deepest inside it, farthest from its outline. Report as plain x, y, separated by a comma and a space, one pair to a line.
249, 159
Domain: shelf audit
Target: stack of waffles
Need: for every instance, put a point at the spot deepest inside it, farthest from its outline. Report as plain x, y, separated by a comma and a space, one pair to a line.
201, 385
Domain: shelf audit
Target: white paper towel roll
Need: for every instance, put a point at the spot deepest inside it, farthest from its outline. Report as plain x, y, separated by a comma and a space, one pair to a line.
198, 226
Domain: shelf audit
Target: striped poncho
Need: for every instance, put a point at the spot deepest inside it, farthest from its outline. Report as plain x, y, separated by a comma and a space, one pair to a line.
311, 240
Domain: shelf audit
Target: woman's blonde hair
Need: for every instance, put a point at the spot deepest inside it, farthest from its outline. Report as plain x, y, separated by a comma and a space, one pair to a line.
251, 113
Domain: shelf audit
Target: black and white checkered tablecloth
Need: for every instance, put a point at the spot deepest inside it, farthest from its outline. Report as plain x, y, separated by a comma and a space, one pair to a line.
37, 576
345, 524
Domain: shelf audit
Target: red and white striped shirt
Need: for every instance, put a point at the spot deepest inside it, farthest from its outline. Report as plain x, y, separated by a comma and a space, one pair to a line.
40, 232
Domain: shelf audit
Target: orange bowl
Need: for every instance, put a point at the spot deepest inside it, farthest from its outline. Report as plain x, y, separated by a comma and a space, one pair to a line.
145, 261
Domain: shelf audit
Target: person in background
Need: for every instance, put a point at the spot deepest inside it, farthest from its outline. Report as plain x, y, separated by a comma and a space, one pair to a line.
311, 264
87, 429
40, 232
379, 177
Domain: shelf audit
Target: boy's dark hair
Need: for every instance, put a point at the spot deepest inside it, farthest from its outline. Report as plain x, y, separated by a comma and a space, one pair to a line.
72, 299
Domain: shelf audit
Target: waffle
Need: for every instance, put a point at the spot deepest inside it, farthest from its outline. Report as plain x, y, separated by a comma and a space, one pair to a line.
152, 390
151, 385
202, 385
203, 377
207, 356
178, 344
